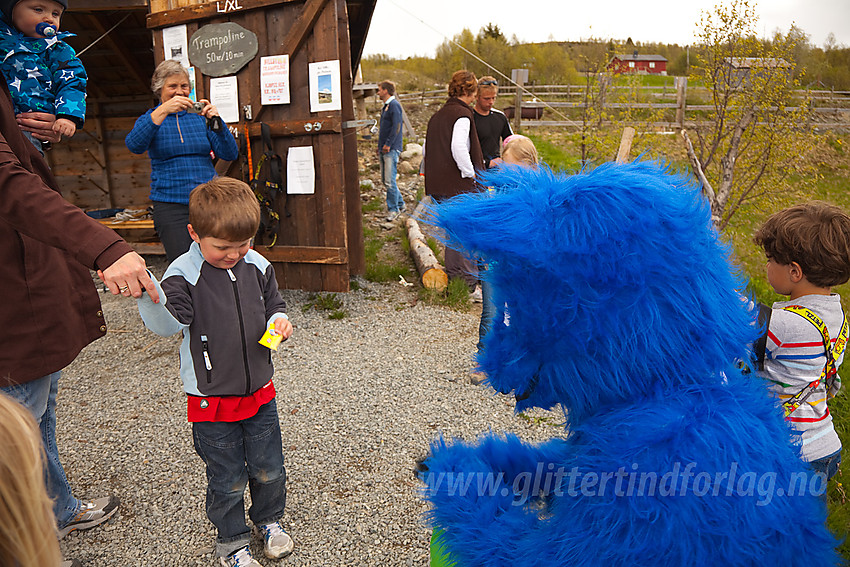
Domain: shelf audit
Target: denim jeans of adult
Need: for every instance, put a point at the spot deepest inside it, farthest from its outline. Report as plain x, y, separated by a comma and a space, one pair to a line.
457, 264
389, 171
39, 397
488, 308
240, 453
170, 220
37, 143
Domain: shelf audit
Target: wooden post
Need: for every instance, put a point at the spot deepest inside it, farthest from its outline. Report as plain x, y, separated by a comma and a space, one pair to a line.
625, 144
518, 103
681, 91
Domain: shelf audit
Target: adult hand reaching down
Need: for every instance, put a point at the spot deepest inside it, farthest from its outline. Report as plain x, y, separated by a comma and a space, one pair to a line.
128, 276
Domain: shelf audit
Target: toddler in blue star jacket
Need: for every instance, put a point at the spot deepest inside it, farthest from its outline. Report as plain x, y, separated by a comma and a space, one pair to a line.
42, 71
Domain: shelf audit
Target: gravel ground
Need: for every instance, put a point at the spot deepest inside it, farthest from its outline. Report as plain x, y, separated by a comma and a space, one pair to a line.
359, 399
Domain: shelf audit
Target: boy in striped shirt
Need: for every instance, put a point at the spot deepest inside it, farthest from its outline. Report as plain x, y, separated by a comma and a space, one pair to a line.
808, 251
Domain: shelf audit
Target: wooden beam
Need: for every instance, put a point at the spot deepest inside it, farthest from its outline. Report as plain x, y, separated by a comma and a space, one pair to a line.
283, 129
297, 34
316, 126
148, 248
107, 5
304, 254
162, 18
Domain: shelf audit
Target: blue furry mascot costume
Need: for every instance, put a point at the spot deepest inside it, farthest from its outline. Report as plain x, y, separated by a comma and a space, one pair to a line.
624, 309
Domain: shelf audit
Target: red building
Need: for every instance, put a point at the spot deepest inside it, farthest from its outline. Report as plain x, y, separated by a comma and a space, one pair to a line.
635, 63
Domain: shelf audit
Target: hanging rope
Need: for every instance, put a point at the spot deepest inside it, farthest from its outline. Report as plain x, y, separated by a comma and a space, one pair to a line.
488, 65
106, 33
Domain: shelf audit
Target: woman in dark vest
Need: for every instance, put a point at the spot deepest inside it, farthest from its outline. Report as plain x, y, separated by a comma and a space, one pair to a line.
453, 155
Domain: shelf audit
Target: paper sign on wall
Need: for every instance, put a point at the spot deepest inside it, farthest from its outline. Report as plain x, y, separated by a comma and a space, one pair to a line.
325, 89
193, 93
224, 95
274, 79
300, 171
175, 44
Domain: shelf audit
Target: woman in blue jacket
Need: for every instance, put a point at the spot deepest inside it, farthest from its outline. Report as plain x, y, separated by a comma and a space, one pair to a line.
181, 141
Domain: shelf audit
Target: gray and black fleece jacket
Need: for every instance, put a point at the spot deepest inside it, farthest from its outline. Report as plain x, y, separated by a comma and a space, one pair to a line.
222, 314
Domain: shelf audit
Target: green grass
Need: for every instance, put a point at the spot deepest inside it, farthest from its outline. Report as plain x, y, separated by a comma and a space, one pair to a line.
455, 296
555, 156
326, 302
378, 267
435, 248
833, 185
374, 204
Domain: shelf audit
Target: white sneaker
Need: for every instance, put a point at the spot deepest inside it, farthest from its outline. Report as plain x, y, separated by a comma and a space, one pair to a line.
276, 542
239, 558
392, 216
476, 296
91, 514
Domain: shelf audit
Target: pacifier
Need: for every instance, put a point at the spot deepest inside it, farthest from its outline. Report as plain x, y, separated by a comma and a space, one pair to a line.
45, 29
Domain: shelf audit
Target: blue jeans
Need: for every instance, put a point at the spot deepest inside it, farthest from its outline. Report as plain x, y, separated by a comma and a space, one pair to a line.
828, 467
389, 169
240, 453
39, 397
488, 308
37, 143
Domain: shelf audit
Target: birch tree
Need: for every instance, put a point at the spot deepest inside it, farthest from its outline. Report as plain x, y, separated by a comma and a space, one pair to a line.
749, 145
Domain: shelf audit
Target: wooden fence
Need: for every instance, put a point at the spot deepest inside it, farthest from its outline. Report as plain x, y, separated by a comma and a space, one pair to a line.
682, 105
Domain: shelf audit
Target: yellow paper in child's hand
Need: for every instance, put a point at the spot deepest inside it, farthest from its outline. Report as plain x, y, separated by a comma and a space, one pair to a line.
270, 338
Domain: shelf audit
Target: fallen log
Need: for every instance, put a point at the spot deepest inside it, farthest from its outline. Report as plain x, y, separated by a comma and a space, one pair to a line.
432, 274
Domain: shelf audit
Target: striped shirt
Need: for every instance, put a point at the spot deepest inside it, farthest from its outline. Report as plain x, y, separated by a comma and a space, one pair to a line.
795, 357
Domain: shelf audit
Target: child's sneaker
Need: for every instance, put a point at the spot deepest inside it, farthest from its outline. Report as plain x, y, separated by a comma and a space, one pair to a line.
91, 514
239, 558
276, 542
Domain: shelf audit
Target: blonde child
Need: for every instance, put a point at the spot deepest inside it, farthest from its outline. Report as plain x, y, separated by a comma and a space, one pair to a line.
27, 524
517, 150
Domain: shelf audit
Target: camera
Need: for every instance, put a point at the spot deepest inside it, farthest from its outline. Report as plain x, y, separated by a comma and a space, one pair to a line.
196, 107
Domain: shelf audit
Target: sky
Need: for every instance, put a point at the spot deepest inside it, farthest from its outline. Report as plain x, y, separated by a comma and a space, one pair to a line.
403, 28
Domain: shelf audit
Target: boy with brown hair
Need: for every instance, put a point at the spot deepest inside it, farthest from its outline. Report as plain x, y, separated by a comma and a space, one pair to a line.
808, 252
223, 296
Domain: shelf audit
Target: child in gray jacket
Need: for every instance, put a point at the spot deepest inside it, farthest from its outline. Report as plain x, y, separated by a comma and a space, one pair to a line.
223, 297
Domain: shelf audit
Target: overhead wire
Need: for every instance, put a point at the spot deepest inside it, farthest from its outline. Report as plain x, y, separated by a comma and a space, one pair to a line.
488, 65
104, 34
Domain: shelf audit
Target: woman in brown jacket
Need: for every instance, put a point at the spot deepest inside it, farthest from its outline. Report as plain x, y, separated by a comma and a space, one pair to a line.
453, 156
50, 308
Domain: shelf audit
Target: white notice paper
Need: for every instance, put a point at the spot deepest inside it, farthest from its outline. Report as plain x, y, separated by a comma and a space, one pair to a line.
175, 44
225, 96
193, 94
300, 171
274, 79
325, 89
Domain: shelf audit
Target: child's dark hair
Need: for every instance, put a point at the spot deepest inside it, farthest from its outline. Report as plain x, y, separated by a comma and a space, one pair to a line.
816, 235
224, 208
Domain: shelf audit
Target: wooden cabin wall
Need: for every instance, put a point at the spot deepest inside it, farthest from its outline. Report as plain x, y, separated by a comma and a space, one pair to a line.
312, 251
96, 170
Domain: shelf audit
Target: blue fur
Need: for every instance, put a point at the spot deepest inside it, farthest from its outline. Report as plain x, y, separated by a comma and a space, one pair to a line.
626, 311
